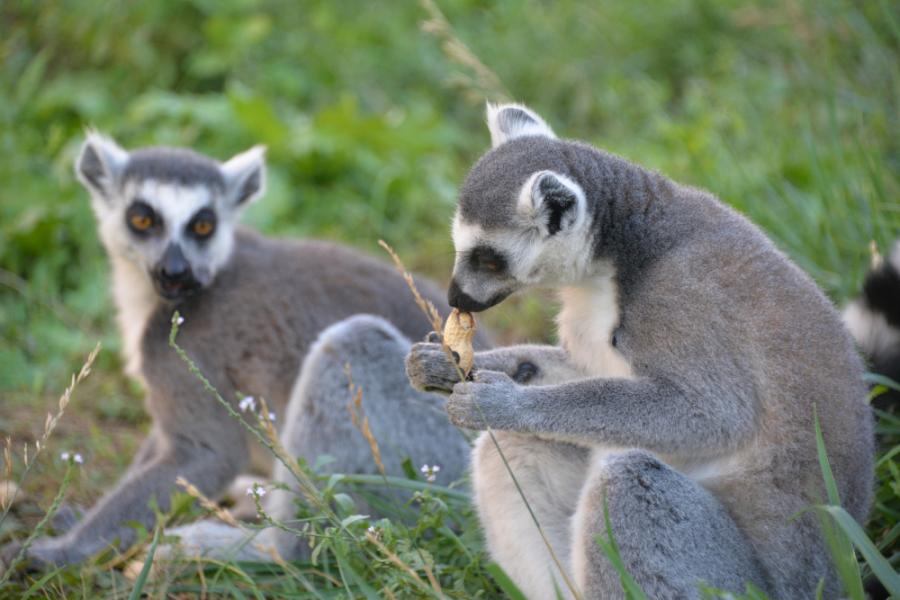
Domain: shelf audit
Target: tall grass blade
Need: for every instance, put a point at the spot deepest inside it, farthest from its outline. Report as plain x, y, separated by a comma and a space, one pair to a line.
141, 580
631, 588
506, 584
839, 546
350, 573
882, 569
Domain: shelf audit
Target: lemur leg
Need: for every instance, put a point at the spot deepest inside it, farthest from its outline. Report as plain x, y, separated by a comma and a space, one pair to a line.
672, 533
404, 422
550, 475
68, 515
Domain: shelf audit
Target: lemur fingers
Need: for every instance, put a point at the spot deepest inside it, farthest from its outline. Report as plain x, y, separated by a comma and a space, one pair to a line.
430, 369
490, 400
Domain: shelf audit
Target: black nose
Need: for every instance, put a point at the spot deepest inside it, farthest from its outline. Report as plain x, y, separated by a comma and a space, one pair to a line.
174, 266
459, 299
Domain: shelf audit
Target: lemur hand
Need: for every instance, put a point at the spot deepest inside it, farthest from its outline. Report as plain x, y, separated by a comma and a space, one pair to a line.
430, 369
487, 401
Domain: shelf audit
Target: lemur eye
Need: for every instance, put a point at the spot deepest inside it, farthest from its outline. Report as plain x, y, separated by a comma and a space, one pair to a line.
203, 223
487, 259
141, 222
140, 217
203, 228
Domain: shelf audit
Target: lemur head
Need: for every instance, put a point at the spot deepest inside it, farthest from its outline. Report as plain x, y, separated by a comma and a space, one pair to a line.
522, 216
171, 212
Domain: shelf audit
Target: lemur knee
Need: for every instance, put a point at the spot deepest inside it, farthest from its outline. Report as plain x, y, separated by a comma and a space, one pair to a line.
633, 479
360, 334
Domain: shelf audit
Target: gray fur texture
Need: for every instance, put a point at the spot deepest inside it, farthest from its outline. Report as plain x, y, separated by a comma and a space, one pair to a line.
252, 310
693, 355
406, 423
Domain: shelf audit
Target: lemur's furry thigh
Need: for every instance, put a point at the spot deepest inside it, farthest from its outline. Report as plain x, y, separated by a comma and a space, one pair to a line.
672, 533
405, 423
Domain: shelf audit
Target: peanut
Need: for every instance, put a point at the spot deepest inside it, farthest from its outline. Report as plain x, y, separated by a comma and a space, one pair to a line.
459, 330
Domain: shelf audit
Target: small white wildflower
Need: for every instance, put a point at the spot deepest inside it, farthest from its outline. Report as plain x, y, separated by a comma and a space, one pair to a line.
247, 403
256, 490
272, 417
76, 458
430, 472
180, 320
373, 532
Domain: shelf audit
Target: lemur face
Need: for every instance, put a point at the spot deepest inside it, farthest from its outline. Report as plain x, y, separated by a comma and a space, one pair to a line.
521, 218
171, 212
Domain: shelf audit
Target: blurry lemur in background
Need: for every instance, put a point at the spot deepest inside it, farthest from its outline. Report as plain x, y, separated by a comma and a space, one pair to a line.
874, 320
252, 309
682, 396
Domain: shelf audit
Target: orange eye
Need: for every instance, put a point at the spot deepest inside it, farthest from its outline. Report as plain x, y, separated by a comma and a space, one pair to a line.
203, 228
141, 222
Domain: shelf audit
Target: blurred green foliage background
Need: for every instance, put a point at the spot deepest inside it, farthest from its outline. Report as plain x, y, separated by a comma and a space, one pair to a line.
373, 112
786, 110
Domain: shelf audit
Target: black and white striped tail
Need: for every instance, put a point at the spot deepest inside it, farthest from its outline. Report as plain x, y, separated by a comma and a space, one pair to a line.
874, 321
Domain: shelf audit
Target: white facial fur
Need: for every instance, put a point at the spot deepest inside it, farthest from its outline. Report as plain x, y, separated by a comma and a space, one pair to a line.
176, 205
100, 168
538, 256
534, 256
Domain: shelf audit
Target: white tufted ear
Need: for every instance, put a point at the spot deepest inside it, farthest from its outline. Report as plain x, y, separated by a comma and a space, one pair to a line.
552, 201
510, 121
99, 164
245, 176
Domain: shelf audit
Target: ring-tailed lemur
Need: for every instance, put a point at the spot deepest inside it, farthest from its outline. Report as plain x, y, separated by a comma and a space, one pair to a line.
874, 321
251, 306
693, 355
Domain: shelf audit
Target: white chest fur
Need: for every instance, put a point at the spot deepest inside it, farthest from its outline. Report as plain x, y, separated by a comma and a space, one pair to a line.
590, 313
135, 301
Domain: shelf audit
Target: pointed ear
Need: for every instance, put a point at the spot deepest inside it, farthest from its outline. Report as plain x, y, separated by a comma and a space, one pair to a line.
552, 201
100, 163
510, 121
245, 176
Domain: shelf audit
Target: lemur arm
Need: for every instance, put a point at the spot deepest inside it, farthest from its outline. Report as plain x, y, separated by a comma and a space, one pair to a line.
430, 369
649, 413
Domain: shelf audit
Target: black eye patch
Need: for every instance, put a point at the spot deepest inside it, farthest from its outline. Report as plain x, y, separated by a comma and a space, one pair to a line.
141, 219
203, 224
485, 258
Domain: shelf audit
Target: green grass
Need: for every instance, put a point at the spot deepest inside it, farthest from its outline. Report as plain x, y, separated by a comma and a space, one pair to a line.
787, 110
